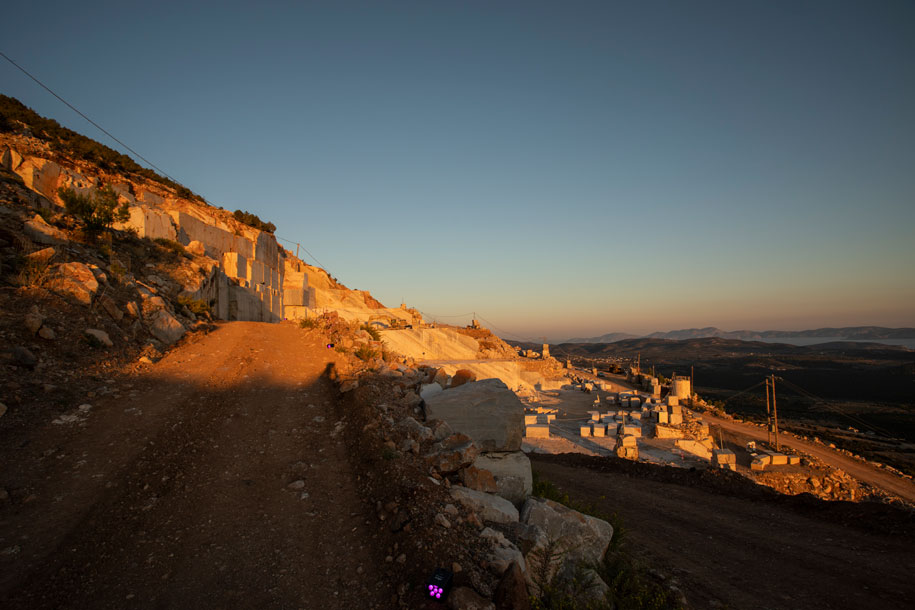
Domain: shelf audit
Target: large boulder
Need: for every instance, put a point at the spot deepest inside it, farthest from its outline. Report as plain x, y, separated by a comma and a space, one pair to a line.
487, 506
165, 327
487, 411
512, 472
74, 280
581, 539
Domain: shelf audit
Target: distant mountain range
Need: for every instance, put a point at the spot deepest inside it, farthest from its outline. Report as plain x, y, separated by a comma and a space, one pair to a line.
859, 333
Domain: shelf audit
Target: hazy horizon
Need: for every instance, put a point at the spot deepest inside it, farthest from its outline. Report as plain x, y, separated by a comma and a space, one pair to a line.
562, 170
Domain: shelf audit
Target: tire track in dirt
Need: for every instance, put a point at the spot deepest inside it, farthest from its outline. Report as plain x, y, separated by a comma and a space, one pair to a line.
183, 497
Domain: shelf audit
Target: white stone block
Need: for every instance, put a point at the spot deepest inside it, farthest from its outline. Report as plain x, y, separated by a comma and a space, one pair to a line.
537, 431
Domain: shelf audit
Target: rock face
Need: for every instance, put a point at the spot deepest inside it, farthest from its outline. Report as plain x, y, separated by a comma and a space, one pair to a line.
582, 539
487, 411
487, 506
512, 472
74, 280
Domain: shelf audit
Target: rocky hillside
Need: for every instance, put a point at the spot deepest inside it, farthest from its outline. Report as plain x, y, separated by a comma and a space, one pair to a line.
249, 276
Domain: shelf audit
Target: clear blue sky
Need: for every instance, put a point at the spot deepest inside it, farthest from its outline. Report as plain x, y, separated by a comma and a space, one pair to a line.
561, 168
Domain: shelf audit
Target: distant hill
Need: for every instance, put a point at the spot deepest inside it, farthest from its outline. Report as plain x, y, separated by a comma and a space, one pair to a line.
608, 338
859, 333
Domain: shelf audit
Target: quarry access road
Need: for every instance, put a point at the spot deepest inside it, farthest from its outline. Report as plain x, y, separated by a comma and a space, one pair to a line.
735, 545
867, 473
218, 479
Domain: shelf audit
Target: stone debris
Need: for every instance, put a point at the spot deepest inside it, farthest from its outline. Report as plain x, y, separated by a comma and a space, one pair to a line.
99, 336
41, 232
451, 454
74, 280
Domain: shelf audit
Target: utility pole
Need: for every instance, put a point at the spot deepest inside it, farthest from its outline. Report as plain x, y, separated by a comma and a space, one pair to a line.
692, 388
768, 413
775, 413
638, 364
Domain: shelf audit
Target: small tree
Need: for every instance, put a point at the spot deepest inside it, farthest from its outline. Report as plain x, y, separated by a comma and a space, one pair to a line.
96, 212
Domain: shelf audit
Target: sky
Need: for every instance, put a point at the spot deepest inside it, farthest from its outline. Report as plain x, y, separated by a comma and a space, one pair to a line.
559, 168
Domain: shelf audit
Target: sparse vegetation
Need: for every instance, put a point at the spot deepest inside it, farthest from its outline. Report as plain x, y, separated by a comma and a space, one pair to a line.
252, 220
173, 246
33, 272
97, 211
366, 353
16, 117
372, 331
308, 323
198, 307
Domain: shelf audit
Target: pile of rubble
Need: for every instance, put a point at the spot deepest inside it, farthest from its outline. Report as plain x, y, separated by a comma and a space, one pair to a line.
452, 489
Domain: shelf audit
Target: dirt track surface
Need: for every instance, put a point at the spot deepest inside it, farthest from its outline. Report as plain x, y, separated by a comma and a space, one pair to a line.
178, 497
732, 544
904, 488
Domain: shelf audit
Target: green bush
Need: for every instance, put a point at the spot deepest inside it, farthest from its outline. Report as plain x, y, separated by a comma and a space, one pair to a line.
170, 245
96, 211
196, 306
308, 323
372, 331
365, 353
252, 220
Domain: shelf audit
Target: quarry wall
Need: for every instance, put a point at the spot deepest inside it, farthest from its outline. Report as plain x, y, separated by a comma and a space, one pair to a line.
253, 278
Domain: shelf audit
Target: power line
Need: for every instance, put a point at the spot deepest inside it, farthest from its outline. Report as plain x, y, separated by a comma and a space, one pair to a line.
834, 408
436, 317
138, 155
314, 258
99, 127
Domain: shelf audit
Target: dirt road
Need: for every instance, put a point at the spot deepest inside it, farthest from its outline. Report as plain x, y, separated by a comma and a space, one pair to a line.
744, 550
217, 479
904, 488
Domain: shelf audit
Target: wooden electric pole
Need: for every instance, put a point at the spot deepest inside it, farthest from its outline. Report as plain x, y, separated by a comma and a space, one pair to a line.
768, 413
775, 413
